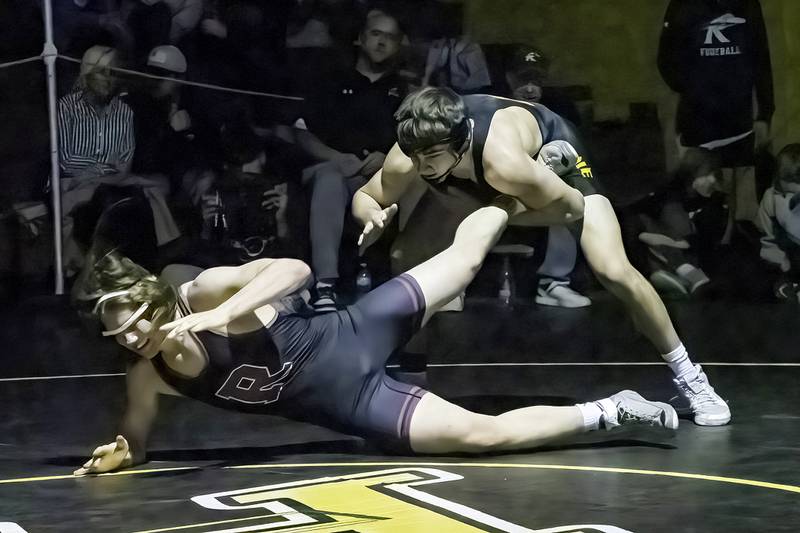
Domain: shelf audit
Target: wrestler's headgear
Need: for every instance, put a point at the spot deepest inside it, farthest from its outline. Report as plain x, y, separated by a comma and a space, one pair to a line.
432, 116
98, 308
113, 276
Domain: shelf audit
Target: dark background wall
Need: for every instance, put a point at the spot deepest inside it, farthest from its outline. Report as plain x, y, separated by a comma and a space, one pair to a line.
612, 46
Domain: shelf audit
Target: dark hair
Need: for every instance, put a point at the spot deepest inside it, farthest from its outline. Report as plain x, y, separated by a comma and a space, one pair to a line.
788, 164
431, 116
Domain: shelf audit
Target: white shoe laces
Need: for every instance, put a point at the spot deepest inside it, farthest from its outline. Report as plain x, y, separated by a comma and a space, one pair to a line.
705, 396
628, 414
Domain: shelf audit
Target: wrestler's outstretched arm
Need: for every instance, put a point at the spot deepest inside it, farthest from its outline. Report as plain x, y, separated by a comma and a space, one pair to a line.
130, 447
375, 204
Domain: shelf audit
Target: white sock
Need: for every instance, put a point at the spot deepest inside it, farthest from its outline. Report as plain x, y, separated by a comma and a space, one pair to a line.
679, 362
591, 415
599, 414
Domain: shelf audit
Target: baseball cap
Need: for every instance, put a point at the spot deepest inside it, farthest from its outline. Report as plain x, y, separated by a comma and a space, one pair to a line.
528, 62
167, 57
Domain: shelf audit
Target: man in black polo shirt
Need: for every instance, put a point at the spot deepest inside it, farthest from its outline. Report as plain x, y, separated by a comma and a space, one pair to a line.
348, 127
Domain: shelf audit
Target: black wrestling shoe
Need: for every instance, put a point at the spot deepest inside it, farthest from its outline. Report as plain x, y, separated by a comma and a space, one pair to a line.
325, 300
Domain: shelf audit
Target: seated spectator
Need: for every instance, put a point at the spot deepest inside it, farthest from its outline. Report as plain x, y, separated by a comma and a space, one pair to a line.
149, 25
79, 20
323, 23
184, 16
96, 146
779, 218
671, 235
526, 75
245, 209
347, 128
95, 125
458, 63
163, 126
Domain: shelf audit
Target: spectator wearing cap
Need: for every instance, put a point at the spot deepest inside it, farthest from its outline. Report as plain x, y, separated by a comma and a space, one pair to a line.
164, 135
526, 75
347, 127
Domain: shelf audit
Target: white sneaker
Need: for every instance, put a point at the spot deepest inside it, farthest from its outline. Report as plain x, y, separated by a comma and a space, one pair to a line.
455, 305
668, 283
657, 239
629, 407
694, 277
560, 294
708, 407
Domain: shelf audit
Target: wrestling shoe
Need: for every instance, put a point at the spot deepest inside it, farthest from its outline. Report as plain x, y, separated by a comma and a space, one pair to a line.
699, 398
629, 407
325, 299
560, 294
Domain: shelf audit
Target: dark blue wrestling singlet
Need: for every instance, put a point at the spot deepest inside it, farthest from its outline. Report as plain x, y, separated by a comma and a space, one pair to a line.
482, 107
325, 369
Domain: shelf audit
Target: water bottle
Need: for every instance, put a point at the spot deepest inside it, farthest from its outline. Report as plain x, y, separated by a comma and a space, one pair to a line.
363, 281
506, 292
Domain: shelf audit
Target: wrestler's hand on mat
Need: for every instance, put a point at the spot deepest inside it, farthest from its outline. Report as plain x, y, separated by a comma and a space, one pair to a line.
114, 456
216, 318
374, 228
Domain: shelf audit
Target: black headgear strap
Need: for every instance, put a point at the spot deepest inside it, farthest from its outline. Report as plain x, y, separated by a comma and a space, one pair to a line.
462, 150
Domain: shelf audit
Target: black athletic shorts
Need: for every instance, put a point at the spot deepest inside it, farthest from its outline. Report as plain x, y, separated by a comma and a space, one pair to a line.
344, 385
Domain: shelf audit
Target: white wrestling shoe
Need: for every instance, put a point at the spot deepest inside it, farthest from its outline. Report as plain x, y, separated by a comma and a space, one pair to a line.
629, 407
560, 294
699, 398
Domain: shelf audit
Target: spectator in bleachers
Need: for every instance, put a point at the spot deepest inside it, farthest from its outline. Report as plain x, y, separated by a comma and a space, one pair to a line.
95, 125
246, 209
257, 28
779, 218
79, 20
150, 27
715, 55
96, 147
348, 127
184, 16
458, 63
163, 126
324, 23
526, 75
